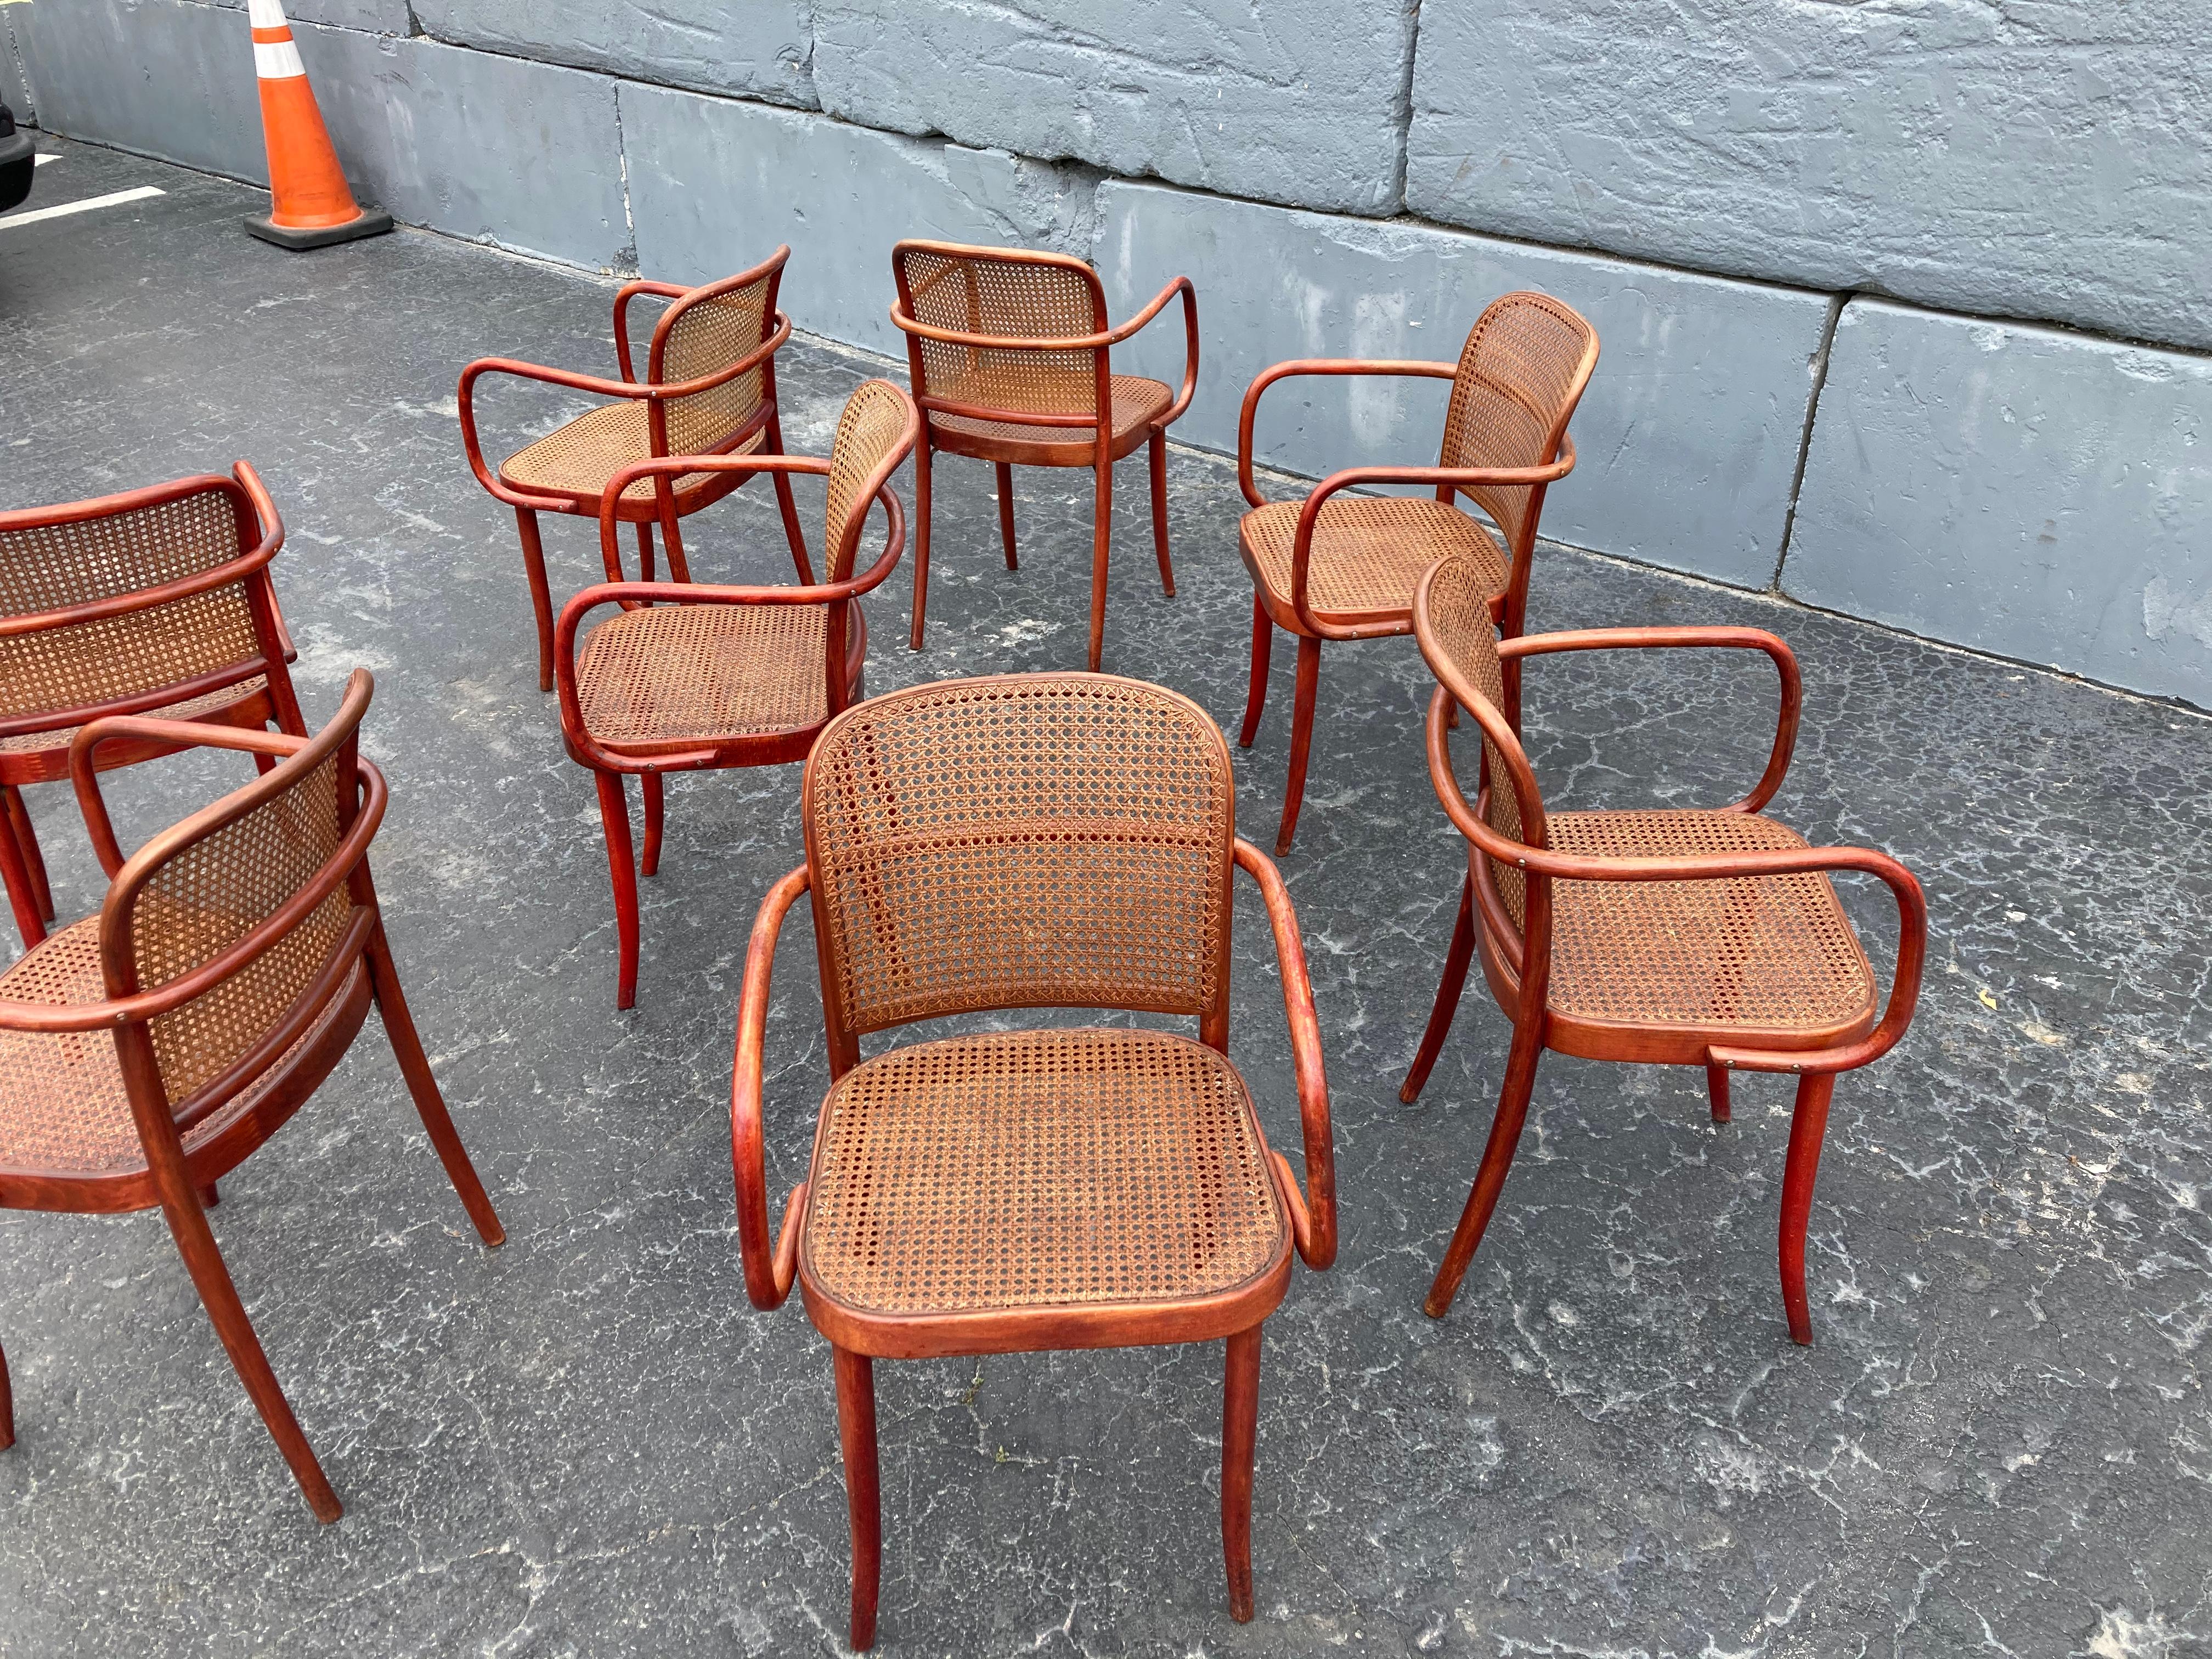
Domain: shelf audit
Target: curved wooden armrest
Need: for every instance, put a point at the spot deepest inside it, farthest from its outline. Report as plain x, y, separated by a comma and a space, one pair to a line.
768, 1273
624, 295
1911, 903
597, 386
1181, 285
1296, 366
83, 762
681, 466
1660, 639
1313, 1217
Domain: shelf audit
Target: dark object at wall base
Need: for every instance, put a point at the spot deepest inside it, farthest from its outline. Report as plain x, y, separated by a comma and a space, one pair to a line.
374, 221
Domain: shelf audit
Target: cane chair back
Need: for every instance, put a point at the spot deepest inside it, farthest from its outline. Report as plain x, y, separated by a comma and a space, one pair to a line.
1002, 293
1520, 374
1038, 841
234, 872
1466, 637
57, 559
704, 332
878, 419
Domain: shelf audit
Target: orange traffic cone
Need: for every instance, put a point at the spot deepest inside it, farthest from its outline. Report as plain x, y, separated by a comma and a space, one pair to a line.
312, 207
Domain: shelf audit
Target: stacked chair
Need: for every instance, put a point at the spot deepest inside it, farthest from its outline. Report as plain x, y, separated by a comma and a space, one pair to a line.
973, 847
150, 1048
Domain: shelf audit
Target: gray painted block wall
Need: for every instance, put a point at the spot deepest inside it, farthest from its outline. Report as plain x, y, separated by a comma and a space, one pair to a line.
1921, 504
2038, 494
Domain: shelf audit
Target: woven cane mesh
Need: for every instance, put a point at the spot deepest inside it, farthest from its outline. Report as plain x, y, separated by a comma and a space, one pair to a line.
1012, 297
1771, 952
1370, 552
1518, 378
1459, 617
190, 709
691, 671
874, 420
207, 896
63, 1109
1039, 1168
705, 336
51, 567
1038, 841
1137, 402
579, 458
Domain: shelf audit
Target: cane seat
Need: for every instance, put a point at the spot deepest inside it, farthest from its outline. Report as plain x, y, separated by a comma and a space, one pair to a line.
1369, 553
687, 672
579, 458
1137, 403
1029, 1169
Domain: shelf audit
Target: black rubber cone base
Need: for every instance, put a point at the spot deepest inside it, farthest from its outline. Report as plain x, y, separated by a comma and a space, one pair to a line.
374, 221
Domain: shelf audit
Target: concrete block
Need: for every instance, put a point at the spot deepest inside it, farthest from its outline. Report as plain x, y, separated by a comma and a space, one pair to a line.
755, 47
163, 76
1688, 435
498, 149
715, 184
2017, 489
1290, 100
15, 92
373, 16
2018, 158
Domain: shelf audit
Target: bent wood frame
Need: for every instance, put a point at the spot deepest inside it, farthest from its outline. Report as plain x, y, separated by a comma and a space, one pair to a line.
670, 500
1517, 960
1091, 442
331, 1009
772, 1267
260, 531
1294, 613
843, 666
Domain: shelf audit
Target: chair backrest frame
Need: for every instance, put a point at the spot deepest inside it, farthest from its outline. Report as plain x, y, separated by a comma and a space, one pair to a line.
1054, 883
1003, 348
671, 337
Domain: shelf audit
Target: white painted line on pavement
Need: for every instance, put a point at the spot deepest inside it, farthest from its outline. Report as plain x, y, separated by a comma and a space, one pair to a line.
86, 206
44, 156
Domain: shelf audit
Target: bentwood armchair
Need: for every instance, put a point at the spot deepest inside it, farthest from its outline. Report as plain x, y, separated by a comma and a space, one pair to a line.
1027, 842
1675, 938
1341, 567
689, 677
149, 1050
1009, 353
710, 389
155, 601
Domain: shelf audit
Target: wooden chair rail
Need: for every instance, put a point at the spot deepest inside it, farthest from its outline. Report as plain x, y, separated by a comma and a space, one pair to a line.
1267, 377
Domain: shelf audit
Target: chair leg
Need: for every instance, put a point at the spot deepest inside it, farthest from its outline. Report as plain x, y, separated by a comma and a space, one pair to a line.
1808, 1127
209, 1196
644, 551
856, 1431
219, 1295
1263, 648
7, 1405
1490, 1180
23, 892
1716, 1086
649, 864
26, 839
1448, 993
672, 543
540, 593
1240, 1428
1102, 541
1006, 513
622, 869
1302, 724
1159, 447
920, 537
789, 508
422, 1087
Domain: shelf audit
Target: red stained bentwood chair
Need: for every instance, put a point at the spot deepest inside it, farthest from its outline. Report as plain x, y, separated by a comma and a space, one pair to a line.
1709, 938
1028, 841
691, 677
147, 1051
156, 601
1338, 566
710, 389
1008, 352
